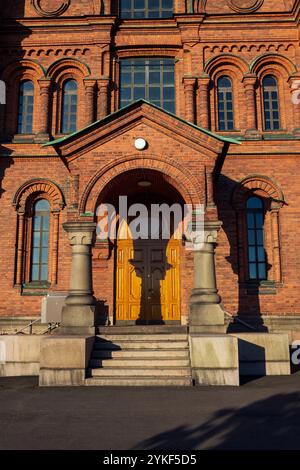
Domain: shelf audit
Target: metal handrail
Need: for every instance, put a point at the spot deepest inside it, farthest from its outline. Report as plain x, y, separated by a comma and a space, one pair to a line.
28, 326
240, 321
48, 330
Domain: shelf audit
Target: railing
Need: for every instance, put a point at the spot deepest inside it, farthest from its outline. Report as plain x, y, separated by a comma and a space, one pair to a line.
240, 321
51, 327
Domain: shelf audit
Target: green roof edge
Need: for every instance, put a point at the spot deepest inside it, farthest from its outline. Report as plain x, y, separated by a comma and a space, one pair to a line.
141, 101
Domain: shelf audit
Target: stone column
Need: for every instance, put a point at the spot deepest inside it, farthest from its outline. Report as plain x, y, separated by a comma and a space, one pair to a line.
89, 101
249, 82
103, 89
44, 114
189, 93
295, 99
78, 316
206, 313
203, 86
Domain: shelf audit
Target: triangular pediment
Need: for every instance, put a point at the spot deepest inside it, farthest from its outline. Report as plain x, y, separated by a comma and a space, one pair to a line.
140, 112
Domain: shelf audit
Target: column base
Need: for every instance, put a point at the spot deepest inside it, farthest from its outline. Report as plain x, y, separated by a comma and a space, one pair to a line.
75, 331
253, 134
206, 318
77, 320
41, 138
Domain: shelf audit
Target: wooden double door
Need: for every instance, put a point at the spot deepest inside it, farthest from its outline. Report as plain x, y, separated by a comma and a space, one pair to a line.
148, 281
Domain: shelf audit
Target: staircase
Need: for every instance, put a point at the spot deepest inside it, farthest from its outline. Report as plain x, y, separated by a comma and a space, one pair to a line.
133, 356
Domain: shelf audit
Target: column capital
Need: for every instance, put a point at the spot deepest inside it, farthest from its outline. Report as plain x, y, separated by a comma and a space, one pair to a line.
103, 81
189, 81
249, 80
204, 80
89, 82
45, 81
80, 233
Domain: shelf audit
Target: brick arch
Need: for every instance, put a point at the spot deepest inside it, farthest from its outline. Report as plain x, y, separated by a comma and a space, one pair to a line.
270, 59
224, 59
47, 188
260, 185
20, 66
66, 65
178, 177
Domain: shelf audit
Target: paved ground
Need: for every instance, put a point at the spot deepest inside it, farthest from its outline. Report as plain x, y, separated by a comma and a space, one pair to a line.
262, 414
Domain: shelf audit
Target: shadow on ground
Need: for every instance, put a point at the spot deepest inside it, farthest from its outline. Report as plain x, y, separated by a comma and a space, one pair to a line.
238, 429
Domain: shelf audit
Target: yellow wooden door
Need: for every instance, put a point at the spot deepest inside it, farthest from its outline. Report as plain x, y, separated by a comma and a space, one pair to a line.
147, 278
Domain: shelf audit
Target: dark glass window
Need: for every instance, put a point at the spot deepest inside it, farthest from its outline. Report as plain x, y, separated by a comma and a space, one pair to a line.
26, 101
69, 107
150, 79
255, 234
271, 103
40, 241
146, 8
225, 104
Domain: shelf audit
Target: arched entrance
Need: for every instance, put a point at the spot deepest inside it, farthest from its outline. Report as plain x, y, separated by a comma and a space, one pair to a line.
147, 248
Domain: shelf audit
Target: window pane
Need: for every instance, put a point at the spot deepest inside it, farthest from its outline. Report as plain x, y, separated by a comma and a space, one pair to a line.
252, 271
151, 79
271, 103
69, 107
256, 252
252, 254
225, 104
146, 8
262, 271
26, 104
40, 241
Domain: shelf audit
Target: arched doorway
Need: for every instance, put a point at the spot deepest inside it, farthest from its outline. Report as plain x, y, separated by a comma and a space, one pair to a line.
147, 248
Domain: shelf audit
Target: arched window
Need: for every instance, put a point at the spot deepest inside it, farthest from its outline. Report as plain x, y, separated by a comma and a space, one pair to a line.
69, 107
40, 241
271, 103
225, 104
257, 268
146, 8
25, 112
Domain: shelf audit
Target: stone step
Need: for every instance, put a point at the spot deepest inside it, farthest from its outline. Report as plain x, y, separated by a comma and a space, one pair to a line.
142, 371
157, 344
142, 337
139, 381
141, 353
145, 362
142, 329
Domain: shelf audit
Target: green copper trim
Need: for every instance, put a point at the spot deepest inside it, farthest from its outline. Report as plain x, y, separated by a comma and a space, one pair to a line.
122, 110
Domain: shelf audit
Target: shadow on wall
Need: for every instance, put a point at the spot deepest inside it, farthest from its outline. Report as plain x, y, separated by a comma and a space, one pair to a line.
248, 292
5, 162
267, 424
12, 36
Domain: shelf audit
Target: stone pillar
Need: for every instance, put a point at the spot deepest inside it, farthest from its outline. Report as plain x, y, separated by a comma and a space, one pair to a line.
295, 99
189, 93
206, 313
44, 114
78, 316
89, 101
103, 89
179, 6
20, 252
203, 86
249, 82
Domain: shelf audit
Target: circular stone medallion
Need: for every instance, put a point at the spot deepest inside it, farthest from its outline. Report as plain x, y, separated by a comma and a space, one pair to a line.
50, 7
245, 6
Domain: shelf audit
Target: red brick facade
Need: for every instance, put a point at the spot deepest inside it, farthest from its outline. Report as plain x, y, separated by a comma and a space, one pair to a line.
48, 42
